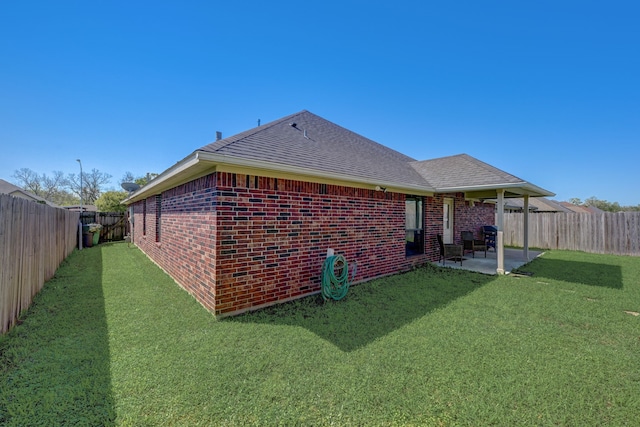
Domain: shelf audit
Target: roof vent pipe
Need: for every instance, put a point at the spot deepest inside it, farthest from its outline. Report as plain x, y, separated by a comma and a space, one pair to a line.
305, 134
218, 135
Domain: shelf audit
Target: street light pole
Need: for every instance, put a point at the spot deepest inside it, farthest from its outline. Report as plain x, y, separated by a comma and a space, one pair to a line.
78, 160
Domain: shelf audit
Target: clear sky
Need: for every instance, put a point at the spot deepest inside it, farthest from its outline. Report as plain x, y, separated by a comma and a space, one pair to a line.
546, 90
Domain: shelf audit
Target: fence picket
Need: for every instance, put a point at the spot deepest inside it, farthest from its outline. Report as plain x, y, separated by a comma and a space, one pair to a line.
34, 240
611, 233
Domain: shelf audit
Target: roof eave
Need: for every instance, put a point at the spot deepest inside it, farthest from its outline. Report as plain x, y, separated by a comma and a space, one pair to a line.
200, 163
183, 171
485, 191
221, 159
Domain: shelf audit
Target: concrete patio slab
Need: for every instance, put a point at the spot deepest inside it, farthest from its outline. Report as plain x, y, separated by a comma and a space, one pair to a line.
513, 259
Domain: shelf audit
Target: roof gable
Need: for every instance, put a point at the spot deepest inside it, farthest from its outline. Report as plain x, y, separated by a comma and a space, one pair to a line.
460, 171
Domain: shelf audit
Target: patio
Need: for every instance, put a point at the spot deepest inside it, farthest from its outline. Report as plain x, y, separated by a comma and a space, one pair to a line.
513, 259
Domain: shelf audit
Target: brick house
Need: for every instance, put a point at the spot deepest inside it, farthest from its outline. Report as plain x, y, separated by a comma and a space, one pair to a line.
246, 221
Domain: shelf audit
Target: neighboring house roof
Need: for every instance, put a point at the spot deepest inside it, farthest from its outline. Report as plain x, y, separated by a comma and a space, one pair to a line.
306, 146
537, 204
581, 208
594, 209
14, 190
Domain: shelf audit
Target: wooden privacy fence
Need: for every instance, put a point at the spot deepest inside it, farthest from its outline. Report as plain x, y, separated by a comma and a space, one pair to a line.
114, 224
34, 240
605, 233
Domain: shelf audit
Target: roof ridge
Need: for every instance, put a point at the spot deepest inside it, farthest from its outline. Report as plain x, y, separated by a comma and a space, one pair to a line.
484, 165
379, 145
225, 142
487, 166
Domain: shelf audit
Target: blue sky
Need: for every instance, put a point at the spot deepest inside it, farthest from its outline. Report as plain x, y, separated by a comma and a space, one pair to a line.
548, 90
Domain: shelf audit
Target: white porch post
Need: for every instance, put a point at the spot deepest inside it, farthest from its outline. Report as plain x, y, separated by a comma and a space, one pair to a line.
526, 227
500, 236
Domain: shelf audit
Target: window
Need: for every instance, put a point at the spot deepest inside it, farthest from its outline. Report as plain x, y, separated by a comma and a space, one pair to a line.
414, 244
144, 217
158, 215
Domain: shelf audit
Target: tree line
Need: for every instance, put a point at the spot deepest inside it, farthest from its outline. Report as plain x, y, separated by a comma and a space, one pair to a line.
66, 190
604, 205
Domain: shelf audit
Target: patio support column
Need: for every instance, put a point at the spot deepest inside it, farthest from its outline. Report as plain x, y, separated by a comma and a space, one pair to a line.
526, 227
500, 237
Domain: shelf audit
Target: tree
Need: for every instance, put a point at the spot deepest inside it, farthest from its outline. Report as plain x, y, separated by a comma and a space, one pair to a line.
63, 190
603, 204
52, 188
110, 201
91, 184
141, 180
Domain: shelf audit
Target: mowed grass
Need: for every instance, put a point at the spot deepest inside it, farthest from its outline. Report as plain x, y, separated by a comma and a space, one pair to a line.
112, 340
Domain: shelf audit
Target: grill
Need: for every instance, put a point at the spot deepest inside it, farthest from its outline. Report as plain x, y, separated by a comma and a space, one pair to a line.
489, 233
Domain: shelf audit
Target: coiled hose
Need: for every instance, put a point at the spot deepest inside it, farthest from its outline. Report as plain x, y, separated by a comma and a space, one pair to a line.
335, 277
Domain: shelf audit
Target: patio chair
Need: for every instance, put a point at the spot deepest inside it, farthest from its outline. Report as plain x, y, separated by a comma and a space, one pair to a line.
471, 244
449, 251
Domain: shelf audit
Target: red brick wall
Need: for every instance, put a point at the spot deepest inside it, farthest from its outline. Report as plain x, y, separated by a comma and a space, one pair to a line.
465, 217
238, 242
186, 249
472, 218
274, 237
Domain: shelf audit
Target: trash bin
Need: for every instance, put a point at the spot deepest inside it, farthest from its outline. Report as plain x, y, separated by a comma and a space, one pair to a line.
87, 239
96, 238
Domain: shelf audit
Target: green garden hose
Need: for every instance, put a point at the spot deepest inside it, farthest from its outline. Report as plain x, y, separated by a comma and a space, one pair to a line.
335, 277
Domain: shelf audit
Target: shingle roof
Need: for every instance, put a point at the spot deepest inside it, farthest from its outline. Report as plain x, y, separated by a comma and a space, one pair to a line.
308, 145
580, 208
327, 147
462, 170
9, 188
539, 204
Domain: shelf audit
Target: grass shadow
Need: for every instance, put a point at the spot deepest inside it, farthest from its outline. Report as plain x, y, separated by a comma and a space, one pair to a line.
587, 273
55, 365
374, 309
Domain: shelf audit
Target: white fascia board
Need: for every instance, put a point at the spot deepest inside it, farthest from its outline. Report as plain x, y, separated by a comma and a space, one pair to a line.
155, 185
528, 188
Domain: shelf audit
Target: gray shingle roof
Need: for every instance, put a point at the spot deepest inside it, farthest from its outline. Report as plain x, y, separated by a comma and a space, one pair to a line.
461, 170
327, 147
539, 204
9, 188
307, 144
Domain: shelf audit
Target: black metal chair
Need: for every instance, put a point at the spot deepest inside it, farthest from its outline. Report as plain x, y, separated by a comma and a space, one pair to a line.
470, 244
449, 251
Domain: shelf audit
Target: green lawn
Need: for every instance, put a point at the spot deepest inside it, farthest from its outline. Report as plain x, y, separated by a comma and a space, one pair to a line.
111, 340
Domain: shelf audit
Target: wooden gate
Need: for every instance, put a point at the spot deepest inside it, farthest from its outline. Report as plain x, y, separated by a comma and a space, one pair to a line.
114, 224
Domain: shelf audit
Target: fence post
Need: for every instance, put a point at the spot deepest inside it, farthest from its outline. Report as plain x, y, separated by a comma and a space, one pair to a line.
500, 250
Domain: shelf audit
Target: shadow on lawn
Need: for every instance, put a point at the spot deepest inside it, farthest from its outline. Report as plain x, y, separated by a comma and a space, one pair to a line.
56, 362
374, 309
587, 273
